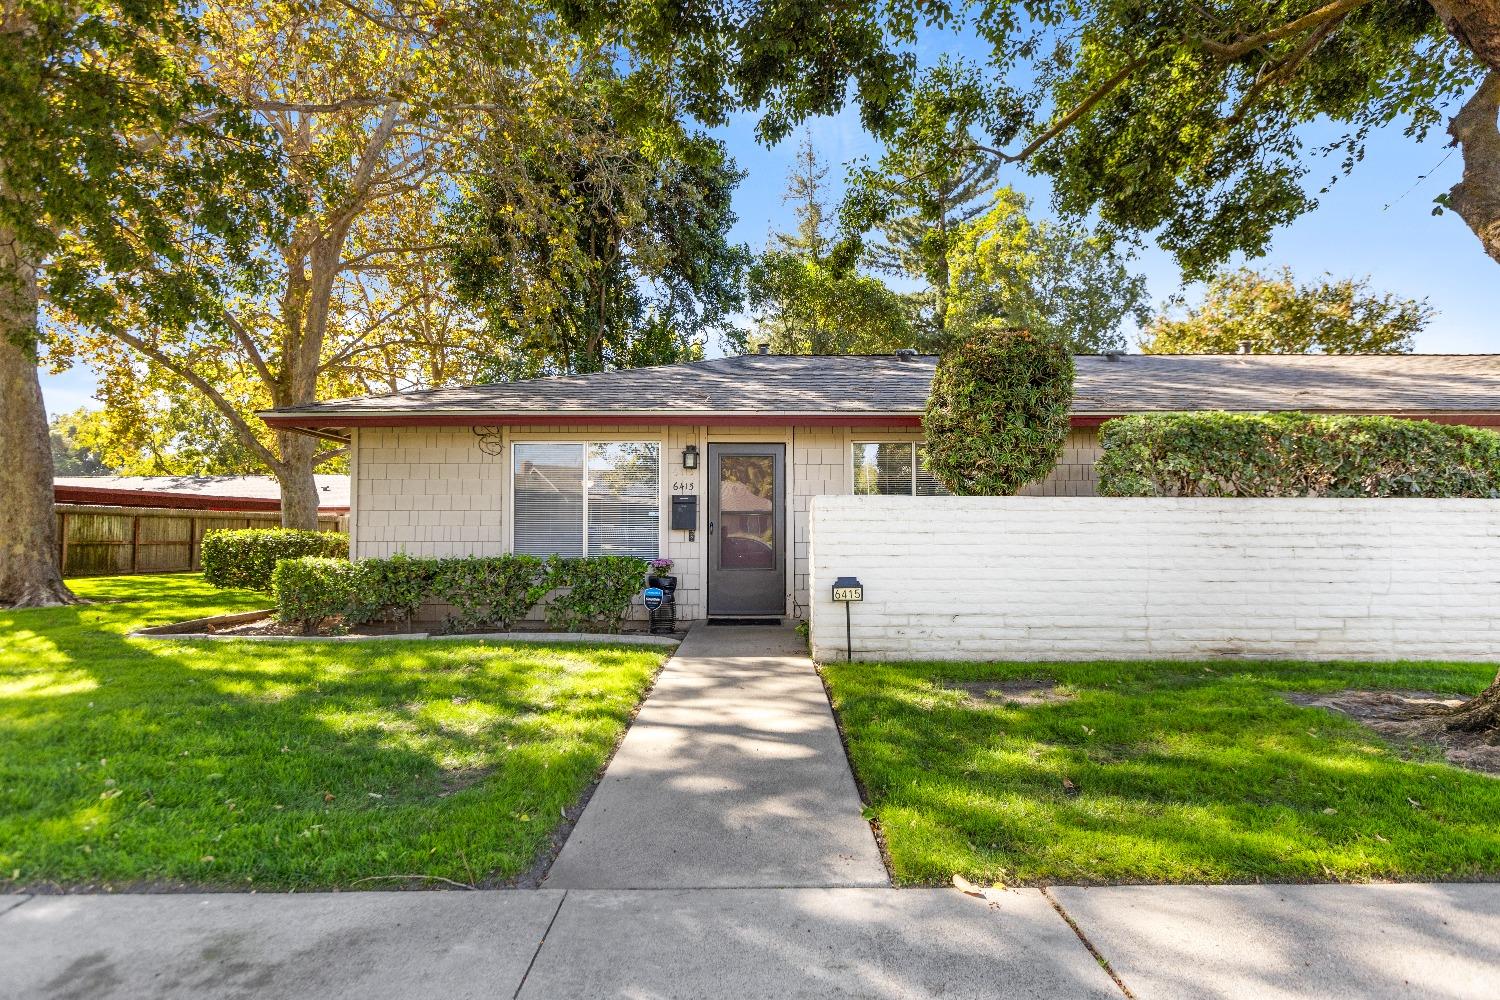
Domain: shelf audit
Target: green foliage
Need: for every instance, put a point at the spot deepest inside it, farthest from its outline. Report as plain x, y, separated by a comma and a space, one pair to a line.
246, 557
631, 264
1058, 278
312, 588
1282, 317
595, 591
490, 591
76, 451
487, 592
999, 410
807, 292
1219, 454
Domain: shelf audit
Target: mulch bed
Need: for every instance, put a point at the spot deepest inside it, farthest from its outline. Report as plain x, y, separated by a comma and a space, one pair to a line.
1413, 717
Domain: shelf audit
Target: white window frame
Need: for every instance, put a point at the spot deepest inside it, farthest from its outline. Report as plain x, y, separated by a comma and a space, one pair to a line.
586, 443
915, 444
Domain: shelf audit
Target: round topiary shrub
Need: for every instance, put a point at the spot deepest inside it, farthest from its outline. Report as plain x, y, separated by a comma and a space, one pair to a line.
998, 414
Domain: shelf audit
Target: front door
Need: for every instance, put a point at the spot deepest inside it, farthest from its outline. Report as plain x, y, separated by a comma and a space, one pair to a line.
746, 529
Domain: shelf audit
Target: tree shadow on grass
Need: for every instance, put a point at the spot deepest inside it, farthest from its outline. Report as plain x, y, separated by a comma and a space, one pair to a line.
1182, 772
140, 762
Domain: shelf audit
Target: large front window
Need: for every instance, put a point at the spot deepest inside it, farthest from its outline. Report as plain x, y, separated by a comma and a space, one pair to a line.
596, 498
884, 468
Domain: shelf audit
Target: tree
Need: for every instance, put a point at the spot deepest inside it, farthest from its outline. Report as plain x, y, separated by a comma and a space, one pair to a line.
931, 181
998, 415
74, 449
630, 262
106, 129
1276, 315
1180, 120
807, 293
374, 112
1058, 278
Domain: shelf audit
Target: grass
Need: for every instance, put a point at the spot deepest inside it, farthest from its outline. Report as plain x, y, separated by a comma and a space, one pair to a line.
132, 762
1181, 772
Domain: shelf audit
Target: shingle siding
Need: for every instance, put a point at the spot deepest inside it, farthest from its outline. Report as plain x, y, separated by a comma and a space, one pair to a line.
436, 492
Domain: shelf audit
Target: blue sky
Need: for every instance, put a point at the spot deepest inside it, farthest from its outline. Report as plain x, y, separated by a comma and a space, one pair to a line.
1376, 222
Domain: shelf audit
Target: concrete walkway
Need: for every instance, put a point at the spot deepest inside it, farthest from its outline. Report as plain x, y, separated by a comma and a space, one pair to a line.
732, 775
1218, 943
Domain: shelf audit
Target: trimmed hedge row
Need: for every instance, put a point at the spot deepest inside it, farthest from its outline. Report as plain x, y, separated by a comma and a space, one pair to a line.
1216, 454
485, 591
246, 557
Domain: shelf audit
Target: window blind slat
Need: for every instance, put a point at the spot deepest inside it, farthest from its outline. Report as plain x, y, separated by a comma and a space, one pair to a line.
548, 499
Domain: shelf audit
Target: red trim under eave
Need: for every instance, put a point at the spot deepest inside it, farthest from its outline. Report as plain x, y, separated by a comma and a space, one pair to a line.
103, 496
617, 419
734, 419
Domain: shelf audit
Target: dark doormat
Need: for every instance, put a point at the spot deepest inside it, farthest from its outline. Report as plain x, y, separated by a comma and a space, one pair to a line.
745, 621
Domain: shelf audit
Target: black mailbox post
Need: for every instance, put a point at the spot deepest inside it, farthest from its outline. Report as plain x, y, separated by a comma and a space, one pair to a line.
846, 591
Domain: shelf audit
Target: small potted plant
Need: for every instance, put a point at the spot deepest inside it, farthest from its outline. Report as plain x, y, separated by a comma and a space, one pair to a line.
657, 575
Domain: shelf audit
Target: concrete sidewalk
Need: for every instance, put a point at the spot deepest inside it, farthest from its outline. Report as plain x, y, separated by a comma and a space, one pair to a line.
732, 775
1165, 942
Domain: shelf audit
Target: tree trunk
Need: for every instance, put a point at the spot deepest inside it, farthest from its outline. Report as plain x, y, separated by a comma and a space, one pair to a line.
29, 574
1475, 24
1476, 198
1480, 714
299, 490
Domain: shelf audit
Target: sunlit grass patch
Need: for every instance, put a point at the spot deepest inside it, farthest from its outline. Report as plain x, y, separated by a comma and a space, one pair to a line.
292, 764
1157, 772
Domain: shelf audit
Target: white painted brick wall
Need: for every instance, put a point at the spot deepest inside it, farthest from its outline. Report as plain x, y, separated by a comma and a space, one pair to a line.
1037, 578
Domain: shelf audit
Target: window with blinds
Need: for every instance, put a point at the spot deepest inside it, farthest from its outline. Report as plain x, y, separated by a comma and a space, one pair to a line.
886, 468
596, 498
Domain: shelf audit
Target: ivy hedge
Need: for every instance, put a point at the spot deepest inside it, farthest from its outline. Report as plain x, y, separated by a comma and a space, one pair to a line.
246, 557
486, 592
1216, 454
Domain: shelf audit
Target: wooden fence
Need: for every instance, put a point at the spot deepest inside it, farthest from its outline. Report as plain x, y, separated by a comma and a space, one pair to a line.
107, 541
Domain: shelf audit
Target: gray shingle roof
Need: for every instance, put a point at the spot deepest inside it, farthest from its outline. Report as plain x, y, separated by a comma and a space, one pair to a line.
881, 384
333, 491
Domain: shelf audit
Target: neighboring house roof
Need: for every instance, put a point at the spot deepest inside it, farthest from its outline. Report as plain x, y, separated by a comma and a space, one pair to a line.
196, 492
864, 388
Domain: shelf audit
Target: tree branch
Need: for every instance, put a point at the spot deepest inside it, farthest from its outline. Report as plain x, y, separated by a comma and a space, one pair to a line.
247, 434
1078, 111
1229, 51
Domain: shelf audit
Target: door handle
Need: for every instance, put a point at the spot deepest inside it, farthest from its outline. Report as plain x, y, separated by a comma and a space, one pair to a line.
710, 527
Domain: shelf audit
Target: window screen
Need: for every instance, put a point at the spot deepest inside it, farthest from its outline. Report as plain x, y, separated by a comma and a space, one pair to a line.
893, 469
599, 498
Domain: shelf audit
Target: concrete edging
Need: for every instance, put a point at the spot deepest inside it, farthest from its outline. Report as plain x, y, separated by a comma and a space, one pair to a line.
168, 632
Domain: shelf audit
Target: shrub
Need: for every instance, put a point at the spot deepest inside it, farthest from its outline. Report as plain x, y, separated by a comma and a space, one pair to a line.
998, 415
311, 589
490, 591
246, 557
1215, 454
394, 587
485, 591
595, 592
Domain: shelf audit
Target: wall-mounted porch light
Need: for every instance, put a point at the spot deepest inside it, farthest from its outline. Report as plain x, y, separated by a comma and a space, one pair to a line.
690, 457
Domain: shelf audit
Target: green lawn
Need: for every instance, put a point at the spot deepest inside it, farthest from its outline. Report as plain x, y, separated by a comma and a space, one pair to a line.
244, 764
1182, 773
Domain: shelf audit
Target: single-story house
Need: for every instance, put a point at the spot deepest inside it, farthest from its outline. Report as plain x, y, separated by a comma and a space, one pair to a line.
713, 463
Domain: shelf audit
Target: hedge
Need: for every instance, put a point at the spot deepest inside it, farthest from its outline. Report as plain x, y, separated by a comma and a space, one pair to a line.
1215, 454
997, 416
485, 591
246, 557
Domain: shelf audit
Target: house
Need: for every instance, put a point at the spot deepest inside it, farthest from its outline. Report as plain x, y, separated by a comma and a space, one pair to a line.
238, 493
154, 524
713, 463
